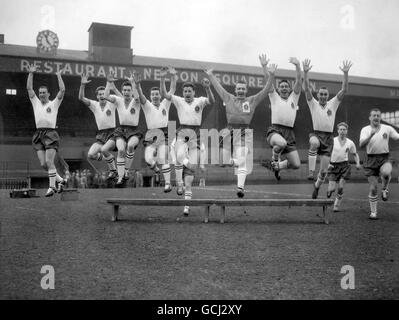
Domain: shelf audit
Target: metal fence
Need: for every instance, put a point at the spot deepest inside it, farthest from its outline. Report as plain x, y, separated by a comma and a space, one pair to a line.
14, 174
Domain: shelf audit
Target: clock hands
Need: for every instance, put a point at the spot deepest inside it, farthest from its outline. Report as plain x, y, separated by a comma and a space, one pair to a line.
49, 42
45, 41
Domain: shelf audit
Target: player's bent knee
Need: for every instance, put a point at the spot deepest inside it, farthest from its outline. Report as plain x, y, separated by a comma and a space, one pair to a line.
180, 156
92, 156
373, 190
295, 165
105, 153
121, 153
148, 159
340, 191
386, 173
104, 150
280, 145
49, 164
314, 147
314, 144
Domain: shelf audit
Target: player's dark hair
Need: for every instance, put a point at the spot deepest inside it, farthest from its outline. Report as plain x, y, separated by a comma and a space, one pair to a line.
241, 82
286, 81
99, 89
324, 88
127, 84
155, 89
41, 87
375, 109
342, 124
188, 84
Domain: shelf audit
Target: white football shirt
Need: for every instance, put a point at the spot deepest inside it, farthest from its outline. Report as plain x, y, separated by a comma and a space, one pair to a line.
284, 111
45, 114
128, 115
105, 117
323, 117
340, 151
379, 143
156, 117
190, 113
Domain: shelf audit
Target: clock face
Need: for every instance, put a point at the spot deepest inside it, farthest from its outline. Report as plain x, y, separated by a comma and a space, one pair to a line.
47, 41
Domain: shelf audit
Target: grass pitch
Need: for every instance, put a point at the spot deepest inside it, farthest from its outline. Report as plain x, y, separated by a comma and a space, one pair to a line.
259, 253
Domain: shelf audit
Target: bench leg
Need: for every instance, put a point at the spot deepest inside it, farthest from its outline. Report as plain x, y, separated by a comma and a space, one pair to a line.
222, 214
206, 219
115, 213
325, 215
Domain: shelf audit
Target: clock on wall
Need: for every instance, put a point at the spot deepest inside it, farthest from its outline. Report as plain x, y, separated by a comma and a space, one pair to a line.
47, 41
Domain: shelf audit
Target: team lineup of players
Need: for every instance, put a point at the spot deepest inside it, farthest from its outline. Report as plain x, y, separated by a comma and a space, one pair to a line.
186, 149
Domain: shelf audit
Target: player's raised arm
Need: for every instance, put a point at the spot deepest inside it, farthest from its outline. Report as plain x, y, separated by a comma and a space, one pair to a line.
84, 80
265, 91
136, 81
298, 80
162, 88
224, 95
110, 86
306, 68
346, 65
131, 79
209, 94
264, 62
61, 86
173, 80
112, 79
29, 84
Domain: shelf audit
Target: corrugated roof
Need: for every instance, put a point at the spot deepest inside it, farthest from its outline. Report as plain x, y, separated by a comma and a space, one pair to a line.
83, 56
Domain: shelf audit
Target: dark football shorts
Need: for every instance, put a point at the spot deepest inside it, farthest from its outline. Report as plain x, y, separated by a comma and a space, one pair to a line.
188, 172
373, 163
155, 137
286, 132
190, 135
45, 138
338, 171
235, 135
326, 140
103, 136
126, 132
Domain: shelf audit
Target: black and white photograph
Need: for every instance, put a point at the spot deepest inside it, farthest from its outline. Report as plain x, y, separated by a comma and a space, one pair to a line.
199, 154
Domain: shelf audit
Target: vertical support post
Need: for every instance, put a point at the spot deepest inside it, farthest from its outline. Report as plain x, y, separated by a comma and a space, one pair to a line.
223, 213
325, 215
115, 213
206, 219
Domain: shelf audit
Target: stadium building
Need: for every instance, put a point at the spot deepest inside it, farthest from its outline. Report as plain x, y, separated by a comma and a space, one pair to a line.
110, 48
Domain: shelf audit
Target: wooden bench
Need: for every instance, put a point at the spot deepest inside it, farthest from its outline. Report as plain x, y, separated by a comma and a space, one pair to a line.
223, 203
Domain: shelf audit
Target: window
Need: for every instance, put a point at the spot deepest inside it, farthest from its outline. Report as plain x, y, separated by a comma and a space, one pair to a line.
391, 117
11, 92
